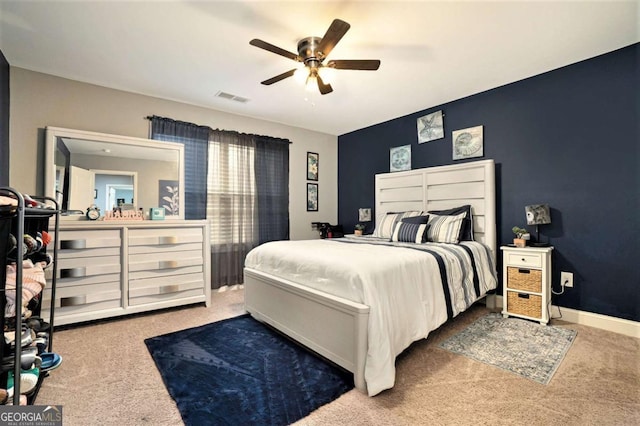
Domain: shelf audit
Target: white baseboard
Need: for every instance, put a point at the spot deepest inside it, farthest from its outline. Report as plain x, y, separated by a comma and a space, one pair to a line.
604, 322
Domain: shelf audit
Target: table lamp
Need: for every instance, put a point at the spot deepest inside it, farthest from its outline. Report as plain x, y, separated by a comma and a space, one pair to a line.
364, 215
538, 214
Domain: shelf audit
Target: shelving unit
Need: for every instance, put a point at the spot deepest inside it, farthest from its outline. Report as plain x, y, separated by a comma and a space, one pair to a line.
20, 221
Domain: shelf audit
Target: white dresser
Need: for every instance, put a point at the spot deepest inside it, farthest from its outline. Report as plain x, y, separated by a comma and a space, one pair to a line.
108, 269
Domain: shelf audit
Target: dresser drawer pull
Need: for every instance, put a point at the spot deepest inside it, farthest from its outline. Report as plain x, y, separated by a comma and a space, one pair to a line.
524, 271
169, 288
523, 295
73, 301
168, 240
73, 273
73, 244
168, 264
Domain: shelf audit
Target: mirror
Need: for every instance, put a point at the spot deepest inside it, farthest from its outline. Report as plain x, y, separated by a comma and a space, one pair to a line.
85, 168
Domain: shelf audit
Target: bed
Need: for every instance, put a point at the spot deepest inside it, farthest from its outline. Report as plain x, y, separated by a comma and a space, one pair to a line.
360, 302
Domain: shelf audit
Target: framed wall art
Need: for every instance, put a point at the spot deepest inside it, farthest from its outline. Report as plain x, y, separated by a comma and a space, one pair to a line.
312, 197
312, 165
400, 158
467, 143
430, 127
169, 197
364, 215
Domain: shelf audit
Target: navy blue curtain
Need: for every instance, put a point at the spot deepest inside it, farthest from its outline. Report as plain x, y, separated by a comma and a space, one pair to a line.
196, 152
272, 188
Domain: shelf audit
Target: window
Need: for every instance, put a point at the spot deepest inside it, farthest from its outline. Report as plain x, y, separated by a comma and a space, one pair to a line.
231, 193
239, 182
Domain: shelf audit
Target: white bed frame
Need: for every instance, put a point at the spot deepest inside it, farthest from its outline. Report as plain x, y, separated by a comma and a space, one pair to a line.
336, 328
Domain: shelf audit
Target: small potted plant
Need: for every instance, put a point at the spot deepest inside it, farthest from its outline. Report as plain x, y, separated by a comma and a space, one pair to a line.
519, 241
359, 229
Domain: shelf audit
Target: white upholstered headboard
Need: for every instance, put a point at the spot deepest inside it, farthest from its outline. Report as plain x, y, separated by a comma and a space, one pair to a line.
442, 187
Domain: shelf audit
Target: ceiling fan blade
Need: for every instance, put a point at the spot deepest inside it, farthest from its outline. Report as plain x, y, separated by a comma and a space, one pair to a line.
333, 35
324, 88
279, 77
274, 49
355, 64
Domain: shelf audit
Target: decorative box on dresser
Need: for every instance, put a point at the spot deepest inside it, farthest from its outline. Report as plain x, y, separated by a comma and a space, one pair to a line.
527, 282
113, 268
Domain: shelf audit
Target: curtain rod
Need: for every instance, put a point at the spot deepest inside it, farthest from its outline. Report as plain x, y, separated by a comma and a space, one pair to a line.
150, 117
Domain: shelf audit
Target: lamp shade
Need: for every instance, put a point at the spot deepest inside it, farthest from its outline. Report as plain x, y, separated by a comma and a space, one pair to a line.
538, 214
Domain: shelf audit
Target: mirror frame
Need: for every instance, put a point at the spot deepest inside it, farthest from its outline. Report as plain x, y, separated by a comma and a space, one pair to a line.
53, 133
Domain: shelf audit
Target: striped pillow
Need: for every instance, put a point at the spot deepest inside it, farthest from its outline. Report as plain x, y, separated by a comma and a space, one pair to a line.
411, 230
385, 223
466, 231
445, 229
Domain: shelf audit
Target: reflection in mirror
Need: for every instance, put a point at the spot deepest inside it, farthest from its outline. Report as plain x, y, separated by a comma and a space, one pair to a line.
114, 189
85, 168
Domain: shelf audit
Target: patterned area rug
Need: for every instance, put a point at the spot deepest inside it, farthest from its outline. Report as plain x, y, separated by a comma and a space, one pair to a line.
522, 347
241, 372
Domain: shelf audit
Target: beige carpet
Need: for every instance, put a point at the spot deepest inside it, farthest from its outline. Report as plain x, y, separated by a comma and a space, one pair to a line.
108, 378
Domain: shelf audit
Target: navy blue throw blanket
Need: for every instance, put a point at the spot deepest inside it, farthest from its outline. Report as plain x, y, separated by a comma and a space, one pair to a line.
240, 372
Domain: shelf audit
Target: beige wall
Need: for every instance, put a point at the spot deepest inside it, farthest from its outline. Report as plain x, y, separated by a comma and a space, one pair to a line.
39, 100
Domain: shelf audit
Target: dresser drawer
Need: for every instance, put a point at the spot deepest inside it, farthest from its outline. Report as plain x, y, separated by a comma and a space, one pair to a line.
164, 237
82, 298
166, 285
526, 304
160, 273
155, 298
172, 248
88, 280
76, 244
524, 279
90, 252
90, 311
85, 267
524, 259
164, 260
88, 239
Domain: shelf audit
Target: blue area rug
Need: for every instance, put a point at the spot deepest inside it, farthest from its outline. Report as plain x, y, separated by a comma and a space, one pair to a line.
240, 372
522, 347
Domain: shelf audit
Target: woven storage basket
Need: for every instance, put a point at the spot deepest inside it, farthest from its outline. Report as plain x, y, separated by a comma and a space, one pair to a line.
524, 279
524, 304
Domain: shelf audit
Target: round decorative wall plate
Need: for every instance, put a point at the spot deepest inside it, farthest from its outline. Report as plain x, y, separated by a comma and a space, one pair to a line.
467, 143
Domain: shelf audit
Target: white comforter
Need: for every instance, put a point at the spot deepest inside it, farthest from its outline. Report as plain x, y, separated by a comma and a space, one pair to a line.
401, 285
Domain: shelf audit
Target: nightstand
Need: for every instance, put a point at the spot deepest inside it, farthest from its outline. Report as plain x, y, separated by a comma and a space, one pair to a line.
526, 282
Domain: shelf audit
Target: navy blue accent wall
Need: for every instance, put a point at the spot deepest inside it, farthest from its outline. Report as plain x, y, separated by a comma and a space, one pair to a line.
570, 138
4, 121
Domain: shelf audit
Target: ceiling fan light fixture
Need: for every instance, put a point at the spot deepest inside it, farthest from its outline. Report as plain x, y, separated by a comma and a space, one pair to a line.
327, 75
312, 51
301, 74
311, 84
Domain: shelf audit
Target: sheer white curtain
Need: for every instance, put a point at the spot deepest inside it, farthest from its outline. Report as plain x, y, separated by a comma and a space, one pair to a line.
231, 204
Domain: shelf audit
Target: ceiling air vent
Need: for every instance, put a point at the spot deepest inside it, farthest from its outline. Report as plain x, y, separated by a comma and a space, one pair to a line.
231, 97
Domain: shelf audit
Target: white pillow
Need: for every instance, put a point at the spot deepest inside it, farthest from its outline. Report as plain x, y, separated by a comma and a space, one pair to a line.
385, 223
445, 229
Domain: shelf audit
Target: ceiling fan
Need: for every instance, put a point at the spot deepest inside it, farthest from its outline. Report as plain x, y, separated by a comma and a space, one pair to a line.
312, 51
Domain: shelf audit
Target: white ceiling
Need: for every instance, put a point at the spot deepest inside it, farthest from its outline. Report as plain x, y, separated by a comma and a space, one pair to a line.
431, 52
